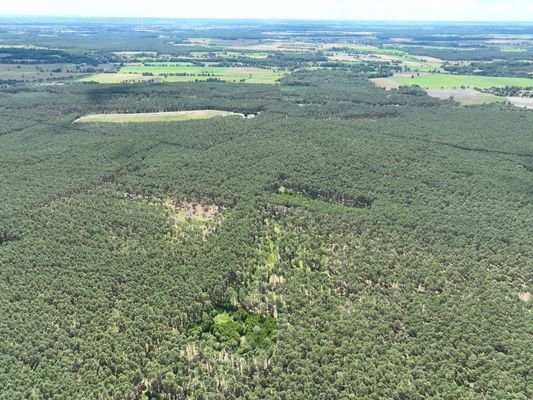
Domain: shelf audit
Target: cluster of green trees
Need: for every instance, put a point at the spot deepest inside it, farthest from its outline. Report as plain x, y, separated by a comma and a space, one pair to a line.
236, 328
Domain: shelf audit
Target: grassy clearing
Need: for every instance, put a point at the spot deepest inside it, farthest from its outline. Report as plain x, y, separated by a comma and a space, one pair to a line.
463, 96
186, 72
156, 117
446, 81
466, 97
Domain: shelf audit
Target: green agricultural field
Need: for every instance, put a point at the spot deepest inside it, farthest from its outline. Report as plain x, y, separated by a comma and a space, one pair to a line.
155, 117
447, 81
186, 72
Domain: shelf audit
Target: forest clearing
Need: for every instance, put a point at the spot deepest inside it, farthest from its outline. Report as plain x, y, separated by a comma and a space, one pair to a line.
169, 116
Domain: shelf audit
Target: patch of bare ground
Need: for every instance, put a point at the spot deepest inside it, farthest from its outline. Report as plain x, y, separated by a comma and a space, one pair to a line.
276, 279
187, 218
193, 211
524, 102
386, 83
525, 296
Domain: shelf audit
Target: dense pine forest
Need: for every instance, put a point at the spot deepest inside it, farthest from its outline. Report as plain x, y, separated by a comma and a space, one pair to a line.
349, 242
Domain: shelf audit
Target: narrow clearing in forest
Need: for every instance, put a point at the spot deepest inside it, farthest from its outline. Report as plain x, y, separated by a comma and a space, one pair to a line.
156, 116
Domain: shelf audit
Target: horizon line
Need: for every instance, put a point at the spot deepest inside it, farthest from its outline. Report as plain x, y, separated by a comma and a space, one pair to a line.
73, 16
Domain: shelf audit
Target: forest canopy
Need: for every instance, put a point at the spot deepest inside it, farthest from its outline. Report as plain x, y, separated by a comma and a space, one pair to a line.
347, 242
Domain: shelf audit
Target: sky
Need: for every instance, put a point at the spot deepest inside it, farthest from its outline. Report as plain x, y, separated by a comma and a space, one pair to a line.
407, 10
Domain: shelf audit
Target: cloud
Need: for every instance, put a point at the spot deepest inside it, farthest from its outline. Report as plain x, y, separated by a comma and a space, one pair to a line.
460, 10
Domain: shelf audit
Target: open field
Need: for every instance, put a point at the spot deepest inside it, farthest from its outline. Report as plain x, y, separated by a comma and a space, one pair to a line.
463, 96
186, 72
523, 102
156, 117
386, 83
446, 81
466, 97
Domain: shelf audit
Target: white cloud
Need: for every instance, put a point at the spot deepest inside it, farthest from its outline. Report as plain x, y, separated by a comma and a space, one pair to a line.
463, 10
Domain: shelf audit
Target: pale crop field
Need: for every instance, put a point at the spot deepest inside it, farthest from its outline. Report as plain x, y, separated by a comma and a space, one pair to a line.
120, 78
156, 117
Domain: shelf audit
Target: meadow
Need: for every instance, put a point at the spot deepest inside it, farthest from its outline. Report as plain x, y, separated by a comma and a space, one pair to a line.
156, 117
